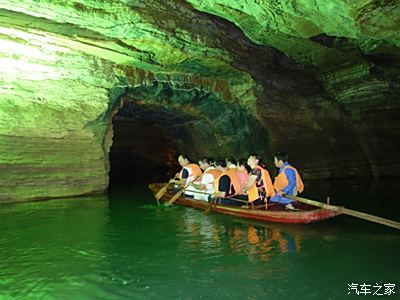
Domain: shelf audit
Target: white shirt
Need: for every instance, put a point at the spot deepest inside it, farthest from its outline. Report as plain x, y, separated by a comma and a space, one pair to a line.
208, 180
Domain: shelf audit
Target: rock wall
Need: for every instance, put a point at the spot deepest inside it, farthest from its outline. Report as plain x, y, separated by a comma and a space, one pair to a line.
318, 79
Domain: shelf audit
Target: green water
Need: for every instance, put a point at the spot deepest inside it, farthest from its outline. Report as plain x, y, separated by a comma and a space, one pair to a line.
126, 247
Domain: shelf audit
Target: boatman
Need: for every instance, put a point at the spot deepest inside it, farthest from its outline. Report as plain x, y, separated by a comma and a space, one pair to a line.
288, 181
190, 172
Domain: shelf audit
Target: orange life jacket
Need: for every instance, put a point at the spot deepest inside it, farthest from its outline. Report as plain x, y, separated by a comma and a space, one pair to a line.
194, 171
281, 180
214, 172
253, 193
235, 183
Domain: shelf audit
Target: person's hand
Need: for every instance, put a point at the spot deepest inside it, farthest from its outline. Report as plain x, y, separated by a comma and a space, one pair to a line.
279, 193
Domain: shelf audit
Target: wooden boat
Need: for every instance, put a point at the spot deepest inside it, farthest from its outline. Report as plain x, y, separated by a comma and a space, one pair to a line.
275, 212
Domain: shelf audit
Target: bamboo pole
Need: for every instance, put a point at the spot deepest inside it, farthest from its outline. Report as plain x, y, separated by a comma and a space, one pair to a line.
347, 211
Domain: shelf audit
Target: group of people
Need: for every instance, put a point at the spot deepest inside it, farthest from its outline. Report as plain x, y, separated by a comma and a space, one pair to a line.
238, 183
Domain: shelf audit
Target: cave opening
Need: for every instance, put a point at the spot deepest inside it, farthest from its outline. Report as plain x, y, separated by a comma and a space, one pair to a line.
151, 124
142, 151
155, 122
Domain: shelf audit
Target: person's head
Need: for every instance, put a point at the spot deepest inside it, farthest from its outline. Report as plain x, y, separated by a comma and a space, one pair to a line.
253, 160
204, 163
220, 164
242, 163
183, 160
212, 161
280, 158
230, 161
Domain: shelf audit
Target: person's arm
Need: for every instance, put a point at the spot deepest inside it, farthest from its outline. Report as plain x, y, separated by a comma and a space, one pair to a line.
179, 182
185, 175
250, 182
205, 179
199, 186
220, 195
175, 178
223, 187
291, 177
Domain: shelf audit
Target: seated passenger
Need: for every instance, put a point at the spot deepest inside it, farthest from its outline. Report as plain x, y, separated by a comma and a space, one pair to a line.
243, 173
190, 173
227, 185
206, 187
259, 185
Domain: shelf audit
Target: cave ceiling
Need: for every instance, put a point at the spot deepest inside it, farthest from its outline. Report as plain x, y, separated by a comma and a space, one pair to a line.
246, 75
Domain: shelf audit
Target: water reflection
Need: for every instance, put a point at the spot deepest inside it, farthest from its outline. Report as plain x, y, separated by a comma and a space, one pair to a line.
221, 235
265, 241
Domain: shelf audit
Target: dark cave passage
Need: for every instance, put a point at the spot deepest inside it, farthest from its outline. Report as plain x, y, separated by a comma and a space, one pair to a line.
141, 152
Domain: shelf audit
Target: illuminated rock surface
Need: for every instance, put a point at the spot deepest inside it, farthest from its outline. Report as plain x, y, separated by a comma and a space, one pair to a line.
319, 79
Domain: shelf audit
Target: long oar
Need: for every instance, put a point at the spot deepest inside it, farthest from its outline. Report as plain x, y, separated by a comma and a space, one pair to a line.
209, 206
175, 197
347, 211
212, 202
178, 194
163, 190
229, 198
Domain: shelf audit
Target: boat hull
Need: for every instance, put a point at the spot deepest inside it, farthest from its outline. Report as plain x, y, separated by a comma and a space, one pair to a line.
275, 213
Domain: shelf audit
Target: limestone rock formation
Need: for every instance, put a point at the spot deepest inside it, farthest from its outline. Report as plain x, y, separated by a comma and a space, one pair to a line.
319, 79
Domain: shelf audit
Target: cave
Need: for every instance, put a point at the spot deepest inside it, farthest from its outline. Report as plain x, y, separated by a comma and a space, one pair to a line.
88, 82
